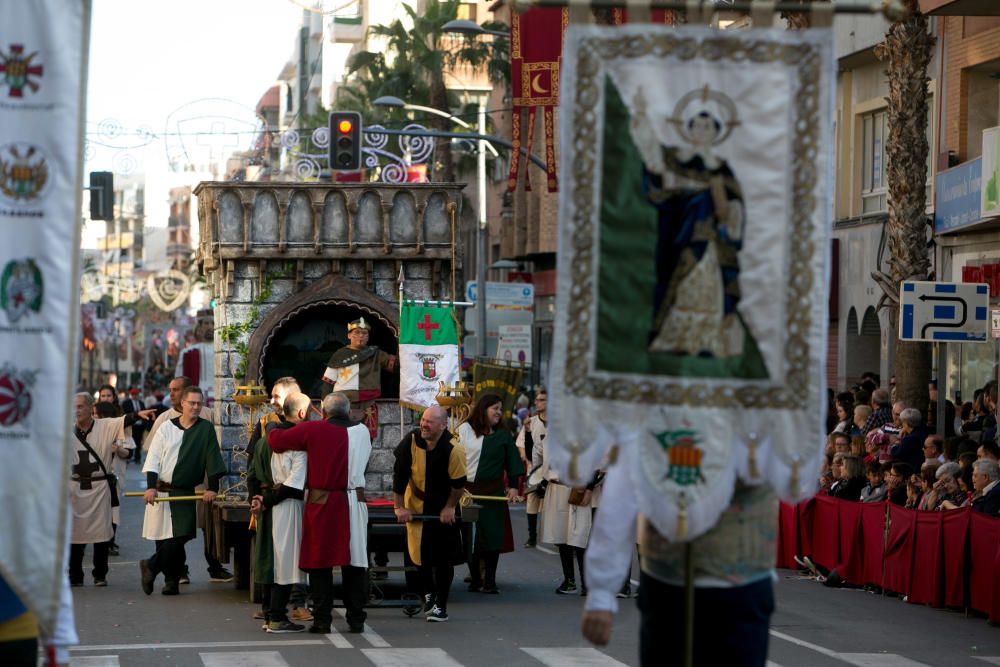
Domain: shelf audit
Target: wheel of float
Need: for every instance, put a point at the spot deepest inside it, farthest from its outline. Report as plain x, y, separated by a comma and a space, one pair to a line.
412, 603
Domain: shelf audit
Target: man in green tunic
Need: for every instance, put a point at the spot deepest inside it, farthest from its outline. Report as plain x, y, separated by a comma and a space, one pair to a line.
183, 453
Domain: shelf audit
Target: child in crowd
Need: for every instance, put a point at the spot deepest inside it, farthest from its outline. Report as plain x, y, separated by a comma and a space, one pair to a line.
861, 415
875, 491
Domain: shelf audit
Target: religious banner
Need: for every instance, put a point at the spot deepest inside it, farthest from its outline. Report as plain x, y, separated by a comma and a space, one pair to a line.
500, 378
428, 353
690, 339
43, 66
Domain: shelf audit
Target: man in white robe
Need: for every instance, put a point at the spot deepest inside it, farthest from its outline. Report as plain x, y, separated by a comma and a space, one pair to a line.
91, 486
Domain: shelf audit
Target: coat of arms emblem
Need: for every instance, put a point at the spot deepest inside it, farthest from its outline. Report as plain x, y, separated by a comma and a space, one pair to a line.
21, 289
23, 172
17, 70
428, 366
683, 455
15, 395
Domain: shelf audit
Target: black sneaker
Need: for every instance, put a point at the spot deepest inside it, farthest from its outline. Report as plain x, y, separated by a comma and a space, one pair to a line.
437, 615
567, 587
428, 603
148, 577
491, 589
100, 583
112, 549
76, 584
284, 627
531, 543
222, 576
356, 629
185, 577
319, 629
170, 588
624, 593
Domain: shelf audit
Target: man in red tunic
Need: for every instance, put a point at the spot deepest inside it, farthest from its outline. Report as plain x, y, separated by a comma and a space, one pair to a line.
326, 533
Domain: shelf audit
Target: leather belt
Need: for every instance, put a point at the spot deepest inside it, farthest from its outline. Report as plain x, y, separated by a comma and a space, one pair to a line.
491, 486
94, 478
417, 492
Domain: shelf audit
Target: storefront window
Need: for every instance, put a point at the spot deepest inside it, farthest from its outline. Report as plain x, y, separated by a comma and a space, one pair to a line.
970, 367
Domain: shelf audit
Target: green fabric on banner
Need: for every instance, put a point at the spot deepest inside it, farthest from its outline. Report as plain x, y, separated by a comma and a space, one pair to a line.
499, 379
198, 457
427, 325
627, 269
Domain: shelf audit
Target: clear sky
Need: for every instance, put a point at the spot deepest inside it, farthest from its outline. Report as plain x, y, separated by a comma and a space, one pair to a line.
163, 72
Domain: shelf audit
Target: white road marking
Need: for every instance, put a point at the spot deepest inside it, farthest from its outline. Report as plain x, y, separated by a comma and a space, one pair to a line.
373, 637
123, 562
771, 663
164, 645
244, 659
95, 661
857, 659
572, 657
337, 639
989, 659
410, 657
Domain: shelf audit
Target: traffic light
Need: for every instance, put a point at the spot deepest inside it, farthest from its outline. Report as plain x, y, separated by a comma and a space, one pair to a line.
102, 195
345, 140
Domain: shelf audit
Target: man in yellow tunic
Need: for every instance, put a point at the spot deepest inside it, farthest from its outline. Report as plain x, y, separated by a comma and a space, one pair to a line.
428, 480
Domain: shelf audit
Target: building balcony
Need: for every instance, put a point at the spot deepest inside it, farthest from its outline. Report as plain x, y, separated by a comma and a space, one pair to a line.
960, 7
347, 29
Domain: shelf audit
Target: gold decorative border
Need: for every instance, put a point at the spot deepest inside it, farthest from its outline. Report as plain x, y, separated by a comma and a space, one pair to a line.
580, 377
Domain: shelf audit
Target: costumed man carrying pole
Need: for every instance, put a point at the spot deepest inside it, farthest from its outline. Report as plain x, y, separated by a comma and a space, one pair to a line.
184, 451
356, 370
428, 480
326, 529
282, 388
276, 483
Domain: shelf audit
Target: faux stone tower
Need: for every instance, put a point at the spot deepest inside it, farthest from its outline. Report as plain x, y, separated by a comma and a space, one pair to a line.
290, 263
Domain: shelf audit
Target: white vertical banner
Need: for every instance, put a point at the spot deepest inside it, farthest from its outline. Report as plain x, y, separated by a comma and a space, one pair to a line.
43, 67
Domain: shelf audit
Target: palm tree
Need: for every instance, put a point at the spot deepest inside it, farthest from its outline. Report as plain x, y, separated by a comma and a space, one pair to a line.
907, 49
420, 59
798, 20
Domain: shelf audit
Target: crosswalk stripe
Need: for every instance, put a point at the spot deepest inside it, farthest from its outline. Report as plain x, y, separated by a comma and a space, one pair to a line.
771, 663
96, 661
410, 657
572, 657
146, 647
879, 660
857, 659
337, 639
990, 659
243, 659
370, 635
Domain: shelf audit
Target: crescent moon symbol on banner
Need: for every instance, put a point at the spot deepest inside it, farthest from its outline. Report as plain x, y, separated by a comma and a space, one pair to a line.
535, 87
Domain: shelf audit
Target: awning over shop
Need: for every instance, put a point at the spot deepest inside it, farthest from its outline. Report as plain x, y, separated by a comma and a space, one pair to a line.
960, 7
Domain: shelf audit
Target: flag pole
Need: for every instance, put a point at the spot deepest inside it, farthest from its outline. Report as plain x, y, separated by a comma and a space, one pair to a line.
401, 279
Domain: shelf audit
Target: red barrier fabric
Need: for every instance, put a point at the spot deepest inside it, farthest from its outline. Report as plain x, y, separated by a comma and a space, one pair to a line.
955, 539
851, 565
984, 535
873, 541
788, 519
899, 549
805, 517
925, 581
826, 532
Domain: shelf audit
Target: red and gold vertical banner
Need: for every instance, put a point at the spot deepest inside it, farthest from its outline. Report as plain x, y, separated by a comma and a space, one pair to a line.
535, 50
662, 16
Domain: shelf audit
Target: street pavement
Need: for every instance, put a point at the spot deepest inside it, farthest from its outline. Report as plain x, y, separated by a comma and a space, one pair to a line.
211, 625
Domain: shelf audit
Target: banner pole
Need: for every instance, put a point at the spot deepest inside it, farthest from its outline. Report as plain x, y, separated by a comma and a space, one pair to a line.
401, 279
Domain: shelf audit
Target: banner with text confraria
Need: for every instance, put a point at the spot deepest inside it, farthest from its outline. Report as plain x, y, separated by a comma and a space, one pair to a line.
43, 65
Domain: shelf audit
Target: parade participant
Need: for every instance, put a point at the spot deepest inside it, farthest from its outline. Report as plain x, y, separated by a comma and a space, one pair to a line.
356, 371
489, 454
733, 564
283, 387
184, 452
93, 488
338, 411
276, 497
326, 538
216, 572
531, 437
104, 410
429, 479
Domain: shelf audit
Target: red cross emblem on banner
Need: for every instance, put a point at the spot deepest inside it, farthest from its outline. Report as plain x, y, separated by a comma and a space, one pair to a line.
427, 327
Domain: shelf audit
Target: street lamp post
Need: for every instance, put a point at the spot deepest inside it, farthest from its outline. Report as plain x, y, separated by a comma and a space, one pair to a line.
481, 226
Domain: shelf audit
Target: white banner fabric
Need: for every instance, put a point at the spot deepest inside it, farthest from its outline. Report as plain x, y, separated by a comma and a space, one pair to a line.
43, 68
694, 219
421, 370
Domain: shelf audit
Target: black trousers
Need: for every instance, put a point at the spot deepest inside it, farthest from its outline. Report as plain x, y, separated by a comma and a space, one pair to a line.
730, 624
355, 591
277, 605
76, 561
19, 653
170, 558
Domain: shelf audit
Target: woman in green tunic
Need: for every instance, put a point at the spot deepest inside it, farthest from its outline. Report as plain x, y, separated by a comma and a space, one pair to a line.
492, 467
